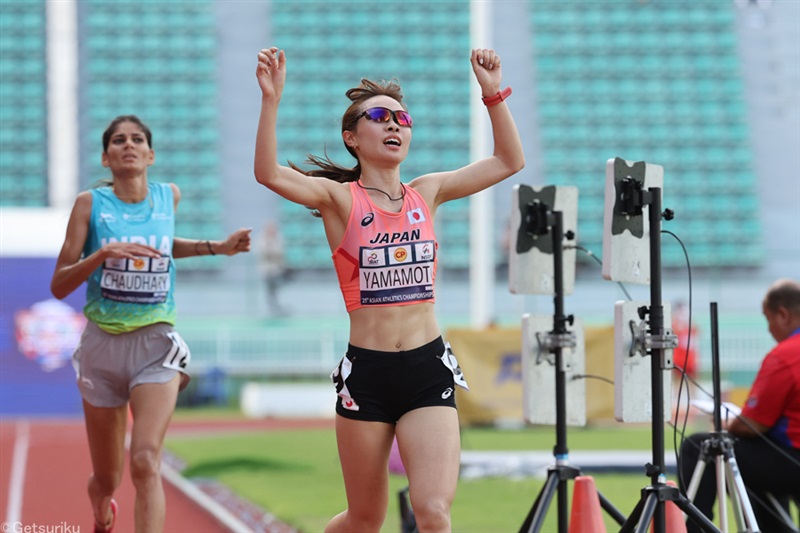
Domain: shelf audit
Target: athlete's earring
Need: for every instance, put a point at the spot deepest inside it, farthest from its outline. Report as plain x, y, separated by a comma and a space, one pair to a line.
349, 140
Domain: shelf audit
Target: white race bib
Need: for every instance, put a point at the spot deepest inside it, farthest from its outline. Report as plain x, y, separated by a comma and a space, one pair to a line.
178, 356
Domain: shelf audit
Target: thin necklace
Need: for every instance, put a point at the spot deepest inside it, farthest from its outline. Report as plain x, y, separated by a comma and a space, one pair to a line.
402, 194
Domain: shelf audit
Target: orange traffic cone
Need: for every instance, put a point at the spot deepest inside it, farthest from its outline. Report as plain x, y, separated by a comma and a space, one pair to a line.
586, 516
674, 516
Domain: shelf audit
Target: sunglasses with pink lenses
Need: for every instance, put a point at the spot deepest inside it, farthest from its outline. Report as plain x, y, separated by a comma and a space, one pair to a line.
382, 114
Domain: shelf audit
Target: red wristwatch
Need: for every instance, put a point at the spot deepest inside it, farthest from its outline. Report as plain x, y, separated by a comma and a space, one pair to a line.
489, 101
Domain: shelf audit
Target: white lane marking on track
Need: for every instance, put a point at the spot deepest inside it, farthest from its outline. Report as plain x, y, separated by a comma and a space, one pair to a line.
193, 492
212, 506
16, 482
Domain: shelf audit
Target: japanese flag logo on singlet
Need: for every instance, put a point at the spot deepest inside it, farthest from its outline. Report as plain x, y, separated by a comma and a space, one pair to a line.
415, 216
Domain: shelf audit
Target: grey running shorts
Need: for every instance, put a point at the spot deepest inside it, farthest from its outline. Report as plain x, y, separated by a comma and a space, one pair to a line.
108, 366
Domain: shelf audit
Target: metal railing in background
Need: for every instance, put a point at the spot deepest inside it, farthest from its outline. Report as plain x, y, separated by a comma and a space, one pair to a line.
740, 352
270, 352
314, 352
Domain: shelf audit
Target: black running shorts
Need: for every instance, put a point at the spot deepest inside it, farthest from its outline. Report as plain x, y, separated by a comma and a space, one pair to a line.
383, 386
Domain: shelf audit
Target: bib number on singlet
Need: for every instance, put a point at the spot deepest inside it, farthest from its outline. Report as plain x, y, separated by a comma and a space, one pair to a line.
143, 280
397, 273
178, 356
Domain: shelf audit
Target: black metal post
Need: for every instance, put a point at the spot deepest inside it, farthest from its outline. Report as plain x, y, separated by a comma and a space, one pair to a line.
715, 369
560, 328
658, 472
654, 497
562, 472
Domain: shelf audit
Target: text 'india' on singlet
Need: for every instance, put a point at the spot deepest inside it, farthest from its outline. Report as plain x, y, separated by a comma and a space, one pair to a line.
126, 294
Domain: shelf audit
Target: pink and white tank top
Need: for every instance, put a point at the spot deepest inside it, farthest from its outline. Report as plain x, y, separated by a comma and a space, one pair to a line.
387, 258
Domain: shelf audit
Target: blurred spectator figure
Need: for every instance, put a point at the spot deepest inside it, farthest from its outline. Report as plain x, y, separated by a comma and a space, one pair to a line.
272, 266
684, 357
766, 434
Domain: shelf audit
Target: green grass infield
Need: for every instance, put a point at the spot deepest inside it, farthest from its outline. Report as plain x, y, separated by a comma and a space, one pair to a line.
295, 475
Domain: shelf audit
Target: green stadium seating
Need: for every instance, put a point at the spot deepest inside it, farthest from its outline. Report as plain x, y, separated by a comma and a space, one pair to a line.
428, 59
165, 75
671, 95
23, 88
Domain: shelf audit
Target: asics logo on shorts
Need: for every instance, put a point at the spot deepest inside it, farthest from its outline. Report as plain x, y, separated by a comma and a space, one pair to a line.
446, 394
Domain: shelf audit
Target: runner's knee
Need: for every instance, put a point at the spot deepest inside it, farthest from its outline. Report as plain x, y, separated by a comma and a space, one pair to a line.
145, 465
432, 514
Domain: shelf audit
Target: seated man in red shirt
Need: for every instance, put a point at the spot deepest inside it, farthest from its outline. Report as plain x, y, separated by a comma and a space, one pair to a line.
767, 432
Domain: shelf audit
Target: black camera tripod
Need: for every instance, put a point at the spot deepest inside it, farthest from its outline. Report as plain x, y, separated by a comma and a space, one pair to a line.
539, 220
651, 505
718, 448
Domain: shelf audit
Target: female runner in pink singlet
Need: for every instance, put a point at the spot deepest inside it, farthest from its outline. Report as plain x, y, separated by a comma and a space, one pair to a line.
398, 375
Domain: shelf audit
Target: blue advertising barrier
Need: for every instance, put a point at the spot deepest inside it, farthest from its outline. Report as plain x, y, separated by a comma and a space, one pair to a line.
37, 337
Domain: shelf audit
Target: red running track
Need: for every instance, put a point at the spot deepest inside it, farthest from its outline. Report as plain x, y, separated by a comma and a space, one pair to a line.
49, 463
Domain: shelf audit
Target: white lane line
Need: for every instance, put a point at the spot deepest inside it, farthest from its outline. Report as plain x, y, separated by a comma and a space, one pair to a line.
216, 509
193, 492
17, 481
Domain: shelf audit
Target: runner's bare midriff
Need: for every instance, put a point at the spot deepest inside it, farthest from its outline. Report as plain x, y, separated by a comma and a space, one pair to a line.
393, 328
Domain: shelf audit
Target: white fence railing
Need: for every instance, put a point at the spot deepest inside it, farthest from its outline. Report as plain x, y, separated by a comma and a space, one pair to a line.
741, 351
274, 352
315, 352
